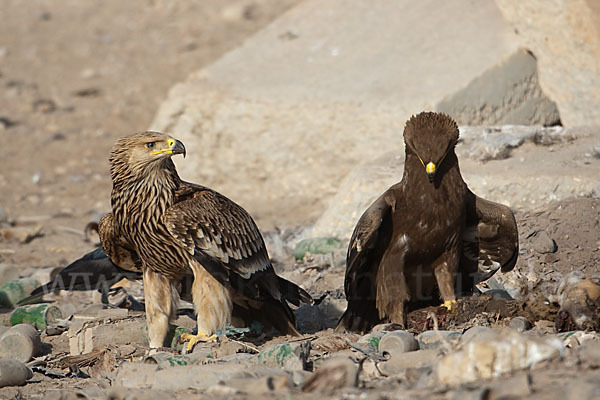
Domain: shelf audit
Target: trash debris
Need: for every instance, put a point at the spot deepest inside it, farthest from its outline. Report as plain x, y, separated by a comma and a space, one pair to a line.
39, 315
484, 360
324, 245
16, 290
13, 372
21, 342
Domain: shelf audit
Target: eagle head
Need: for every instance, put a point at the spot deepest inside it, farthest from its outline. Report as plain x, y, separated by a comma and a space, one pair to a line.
431, 137
144, 150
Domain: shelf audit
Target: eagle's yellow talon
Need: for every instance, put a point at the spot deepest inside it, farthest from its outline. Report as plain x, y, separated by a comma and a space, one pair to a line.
193, 339
449, 304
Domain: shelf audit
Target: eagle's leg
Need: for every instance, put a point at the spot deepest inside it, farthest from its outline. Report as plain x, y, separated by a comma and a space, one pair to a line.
213, 305
392, 290
160, 306
445, 275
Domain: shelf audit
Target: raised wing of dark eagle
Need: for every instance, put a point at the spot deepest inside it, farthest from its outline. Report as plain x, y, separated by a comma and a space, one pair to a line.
426, 236
173, 227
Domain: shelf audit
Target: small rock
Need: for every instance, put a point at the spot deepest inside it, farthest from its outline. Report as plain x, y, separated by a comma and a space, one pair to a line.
44, 105
542, 243
22, 234
589, 353
21, 342
333, 374
413, 359
478, 334
310, 319
438, 339
398, 342
3, 217
13, 372
520, 324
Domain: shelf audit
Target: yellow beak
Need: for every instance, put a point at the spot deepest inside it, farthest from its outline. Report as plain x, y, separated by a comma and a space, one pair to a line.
430, 169
175, 147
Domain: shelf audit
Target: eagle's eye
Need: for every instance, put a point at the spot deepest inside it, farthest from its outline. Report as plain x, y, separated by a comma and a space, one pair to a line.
150, 145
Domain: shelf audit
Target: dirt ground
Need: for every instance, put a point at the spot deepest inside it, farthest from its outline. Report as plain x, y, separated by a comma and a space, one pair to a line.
75, 76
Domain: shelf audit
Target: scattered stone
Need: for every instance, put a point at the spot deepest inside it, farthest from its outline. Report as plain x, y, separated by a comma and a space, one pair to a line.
13, 372
486, 360
542, 243
3, 217
9, 272
88, 92
335, 373
398, 342
519, 324
310, 318
22, 234
400, 362
39, 315
478, 334
16, 290
589, 353
438, 339
45, 106
21, 342
324, 245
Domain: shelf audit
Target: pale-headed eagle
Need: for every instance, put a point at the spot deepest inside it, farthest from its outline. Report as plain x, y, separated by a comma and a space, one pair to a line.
168, 227
423, 233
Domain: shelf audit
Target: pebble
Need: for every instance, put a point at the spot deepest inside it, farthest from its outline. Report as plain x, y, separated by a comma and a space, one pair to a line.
398, 342
335, 373
3, 216
310, 319
438, 339
21, 342
519, 324
543, 243
589, 353
478, 334
13, 372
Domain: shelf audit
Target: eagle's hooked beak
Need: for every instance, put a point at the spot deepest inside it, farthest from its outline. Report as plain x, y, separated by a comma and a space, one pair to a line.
176, 147
430, 169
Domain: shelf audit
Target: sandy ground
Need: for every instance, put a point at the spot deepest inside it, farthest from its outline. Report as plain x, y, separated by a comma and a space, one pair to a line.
77, 75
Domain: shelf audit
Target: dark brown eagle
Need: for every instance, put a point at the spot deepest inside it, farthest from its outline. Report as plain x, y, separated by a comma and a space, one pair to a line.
167, 227
423, 233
